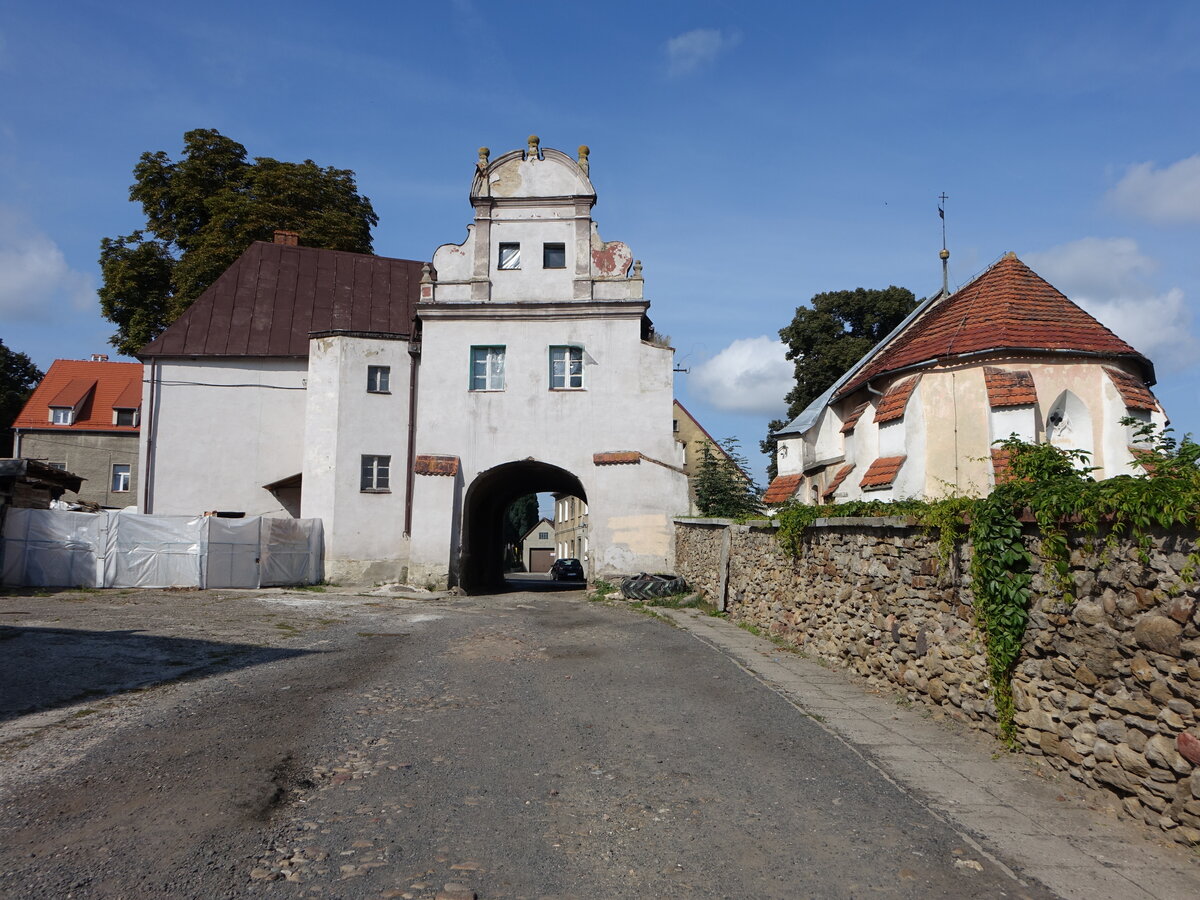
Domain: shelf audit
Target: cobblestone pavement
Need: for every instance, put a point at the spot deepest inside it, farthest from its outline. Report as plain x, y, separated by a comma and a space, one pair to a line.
304, 744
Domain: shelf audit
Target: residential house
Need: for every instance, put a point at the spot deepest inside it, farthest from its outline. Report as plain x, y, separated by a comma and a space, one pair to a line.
84, 417
919, 415
408, 404
570, 528
693, 437
537, 547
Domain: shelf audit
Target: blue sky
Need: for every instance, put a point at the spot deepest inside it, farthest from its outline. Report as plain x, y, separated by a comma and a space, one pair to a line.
751, 154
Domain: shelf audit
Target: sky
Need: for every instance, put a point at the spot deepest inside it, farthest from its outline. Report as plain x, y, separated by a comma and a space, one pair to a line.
751, 154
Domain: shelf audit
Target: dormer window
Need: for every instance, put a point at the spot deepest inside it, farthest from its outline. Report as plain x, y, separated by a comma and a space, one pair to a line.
554, 256
61, 415
125, 417
510, 256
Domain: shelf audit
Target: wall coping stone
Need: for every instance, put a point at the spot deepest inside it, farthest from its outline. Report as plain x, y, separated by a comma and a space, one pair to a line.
831, 522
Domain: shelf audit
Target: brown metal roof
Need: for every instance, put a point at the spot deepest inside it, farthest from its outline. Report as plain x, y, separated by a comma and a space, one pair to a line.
274, 296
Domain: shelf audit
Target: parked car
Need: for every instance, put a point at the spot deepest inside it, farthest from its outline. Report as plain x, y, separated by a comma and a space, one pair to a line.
567, 570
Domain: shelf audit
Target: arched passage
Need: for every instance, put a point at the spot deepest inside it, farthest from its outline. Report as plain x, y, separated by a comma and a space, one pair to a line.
481, 564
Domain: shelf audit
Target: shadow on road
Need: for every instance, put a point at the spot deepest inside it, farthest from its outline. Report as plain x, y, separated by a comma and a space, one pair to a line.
538, 582
44, 668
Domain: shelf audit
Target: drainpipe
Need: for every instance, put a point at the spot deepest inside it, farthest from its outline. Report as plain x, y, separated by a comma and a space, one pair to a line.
410, 476
16, 443
148, 424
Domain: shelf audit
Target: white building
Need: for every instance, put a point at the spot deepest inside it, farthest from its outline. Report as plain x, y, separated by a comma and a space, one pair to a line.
408, 405
917, 417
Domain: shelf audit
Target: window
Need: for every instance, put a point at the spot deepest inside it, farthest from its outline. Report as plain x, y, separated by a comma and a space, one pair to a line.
554, 256
487, 368
60, 415
510, 256
543, 535
375, 471
120, 479
124, 416
57, 465
566, 367
379, 379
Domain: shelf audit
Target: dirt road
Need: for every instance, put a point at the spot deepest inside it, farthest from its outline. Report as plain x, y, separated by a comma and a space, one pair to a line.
520, 745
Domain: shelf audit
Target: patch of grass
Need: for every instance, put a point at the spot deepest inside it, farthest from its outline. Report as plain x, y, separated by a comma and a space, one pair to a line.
778, 640
601, 590
287, 627
318, 588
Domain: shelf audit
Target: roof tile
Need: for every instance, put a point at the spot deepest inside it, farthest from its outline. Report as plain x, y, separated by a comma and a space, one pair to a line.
1009, 388
1133, 390
617, 458
892, 404
436, 465
1008, 307
112, 381
882, 473
837, 482
852, 419
782, 488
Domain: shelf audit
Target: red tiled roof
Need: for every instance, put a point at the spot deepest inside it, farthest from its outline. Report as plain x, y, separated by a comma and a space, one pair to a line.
1009, 388
1001, 465
64, 380
782, 488
1143, 457
617, 458
845, 470
892, 404
131, 395
1008, 307
436, 465
1133, 391
852, 419
274, 296
882, 473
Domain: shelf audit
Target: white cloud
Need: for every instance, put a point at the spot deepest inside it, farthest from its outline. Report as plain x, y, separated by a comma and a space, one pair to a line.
1164, 196
697, 48
35, 281
751, 375
1109, 278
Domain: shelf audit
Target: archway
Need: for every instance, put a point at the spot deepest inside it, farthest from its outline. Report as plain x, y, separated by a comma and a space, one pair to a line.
481, 563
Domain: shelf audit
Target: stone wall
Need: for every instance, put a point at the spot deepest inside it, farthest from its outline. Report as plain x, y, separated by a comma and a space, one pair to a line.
1107, 688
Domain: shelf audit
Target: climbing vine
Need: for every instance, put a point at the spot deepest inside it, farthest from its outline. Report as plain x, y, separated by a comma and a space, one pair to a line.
1055, 488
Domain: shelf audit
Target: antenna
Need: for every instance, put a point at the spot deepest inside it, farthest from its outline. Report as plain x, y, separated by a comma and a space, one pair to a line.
945, 254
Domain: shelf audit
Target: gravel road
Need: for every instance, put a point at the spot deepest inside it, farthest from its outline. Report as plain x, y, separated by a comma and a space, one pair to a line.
338, 745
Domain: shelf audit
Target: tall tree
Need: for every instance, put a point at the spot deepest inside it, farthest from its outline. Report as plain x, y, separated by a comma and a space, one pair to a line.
18, 377
722, 486
520, 516
830, 335
202, 212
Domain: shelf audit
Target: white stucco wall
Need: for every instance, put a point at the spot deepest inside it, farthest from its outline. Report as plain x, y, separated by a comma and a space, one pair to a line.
220, 429
365, 539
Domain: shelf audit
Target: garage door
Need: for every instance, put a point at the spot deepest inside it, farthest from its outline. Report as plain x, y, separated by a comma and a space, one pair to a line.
540, 559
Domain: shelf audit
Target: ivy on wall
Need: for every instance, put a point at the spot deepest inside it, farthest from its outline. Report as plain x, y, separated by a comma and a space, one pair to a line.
1055, 487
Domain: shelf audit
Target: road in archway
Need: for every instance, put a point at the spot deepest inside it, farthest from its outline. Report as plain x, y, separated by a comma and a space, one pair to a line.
522, 745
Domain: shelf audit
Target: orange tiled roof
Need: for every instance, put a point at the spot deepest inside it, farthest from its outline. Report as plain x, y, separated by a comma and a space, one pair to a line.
852, 419
782, 488
882, 473
1009, 388
837, 482
1001, 465
892, 404
436, 465
617, 458
1008, 307
1133, 391
69, 380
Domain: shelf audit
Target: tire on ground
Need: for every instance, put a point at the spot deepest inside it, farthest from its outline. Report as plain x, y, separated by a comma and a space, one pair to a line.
647, 587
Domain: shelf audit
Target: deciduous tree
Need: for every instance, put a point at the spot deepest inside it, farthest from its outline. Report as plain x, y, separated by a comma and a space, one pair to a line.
18, 377
202, 212
722, 486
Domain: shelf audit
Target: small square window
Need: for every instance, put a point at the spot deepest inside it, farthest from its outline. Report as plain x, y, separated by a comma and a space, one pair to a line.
554, 256
510, 256
57, 465
487, 369
60, 415
379, 379
376, 471
120, 479
566, 368
543, 535
124, 416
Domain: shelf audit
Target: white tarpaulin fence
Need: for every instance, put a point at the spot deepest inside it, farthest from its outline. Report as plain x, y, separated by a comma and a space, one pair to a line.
57, 548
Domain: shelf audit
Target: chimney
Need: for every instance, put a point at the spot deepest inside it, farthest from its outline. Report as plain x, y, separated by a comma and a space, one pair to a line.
99, 357
287, 238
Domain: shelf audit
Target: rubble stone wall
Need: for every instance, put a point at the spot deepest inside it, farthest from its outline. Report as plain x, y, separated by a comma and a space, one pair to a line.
1107, 688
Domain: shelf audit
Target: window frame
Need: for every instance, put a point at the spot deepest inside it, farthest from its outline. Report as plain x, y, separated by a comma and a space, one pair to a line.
62, 415
488, 354
513, 264
379, 379
118, 479
132, 414
573, 354
556, 245
374, 477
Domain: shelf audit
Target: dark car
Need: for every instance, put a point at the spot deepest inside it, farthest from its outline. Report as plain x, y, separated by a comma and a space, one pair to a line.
567, 570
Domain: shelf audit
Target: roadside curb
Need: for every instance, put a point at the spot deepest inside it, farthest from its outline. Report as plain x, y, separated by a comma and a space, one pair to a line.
1073, 849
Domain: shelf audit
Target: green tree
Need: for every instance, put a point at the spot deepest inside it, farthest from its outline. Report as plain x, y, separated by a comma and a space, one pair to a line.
722, 486
520, 516
202, 212
830, 335
18, 377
